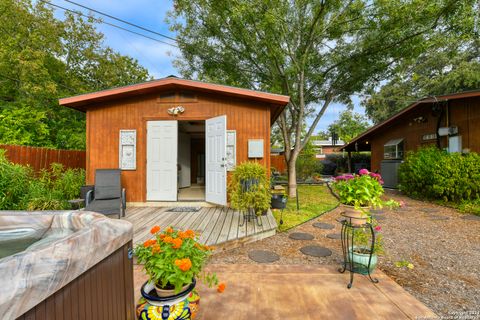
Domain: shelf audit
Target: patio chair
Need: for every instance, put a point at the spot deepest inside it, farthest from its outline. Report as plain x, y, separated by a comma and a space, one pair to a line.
108, 196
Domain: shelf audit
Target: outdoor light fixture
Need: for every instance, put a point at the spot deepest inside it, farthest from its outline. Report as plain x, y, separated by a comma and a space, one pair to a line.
175, 111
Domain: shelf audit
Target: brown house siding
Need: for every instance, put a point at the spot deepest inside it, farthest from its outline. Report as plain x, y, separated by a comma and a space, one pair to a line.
251, 120
463, 113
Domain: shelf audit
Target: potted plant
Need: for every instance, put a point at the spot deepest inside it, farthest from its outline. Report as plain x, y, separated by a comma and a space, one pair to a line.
358, 193
360, 253
249, 188
173, 260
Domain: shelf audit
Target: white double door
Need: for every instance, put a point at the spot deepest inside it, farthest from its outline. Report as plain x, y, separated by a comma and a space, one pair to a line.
162, 160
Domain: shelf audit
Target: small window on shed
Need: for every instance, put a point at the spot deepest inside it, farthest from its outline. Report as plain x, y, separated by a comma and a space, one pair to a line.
393, 149
167, 97
186, 96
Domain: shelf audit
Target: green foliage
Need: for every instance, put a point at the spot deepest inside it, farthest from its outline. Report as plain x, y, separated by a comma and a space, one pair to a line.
173, 258
362, 190
249, 187
307, 164
341, 160
349, 125
48, 190
363, 239
470, 206
42, 59
314, 200
435, 174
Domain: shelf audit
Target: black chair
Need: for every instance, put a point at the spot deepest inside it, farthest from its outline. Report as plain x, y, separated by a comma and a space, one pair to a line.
108, 196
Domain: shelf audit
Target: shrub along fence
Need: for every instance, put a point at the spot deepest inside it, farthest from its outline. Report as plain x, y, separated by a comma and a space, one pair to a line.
42, 158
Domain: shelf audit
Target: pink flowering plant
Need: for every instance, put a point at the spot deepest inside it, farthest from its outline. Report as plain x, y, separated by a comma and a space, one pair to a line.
360, 190
362, 239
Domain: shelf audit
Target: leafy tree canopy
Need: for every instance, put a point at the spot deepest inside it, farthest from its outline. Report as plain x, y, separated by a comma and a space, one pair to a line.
43, 59
349, 125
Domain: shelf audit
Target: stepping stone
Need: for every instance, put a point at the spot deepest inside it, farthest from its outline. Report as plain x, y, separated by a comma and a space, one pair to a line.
379, 217
377, 211
323, 225
439, 218
334, 236
301, 236
471, 217
316, 251
263, 256
429, 210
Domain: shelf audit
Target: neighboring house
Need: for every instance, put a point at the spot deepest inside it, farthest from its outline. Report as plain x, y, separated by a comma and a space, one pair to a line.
450, 122
173, 138
324, 147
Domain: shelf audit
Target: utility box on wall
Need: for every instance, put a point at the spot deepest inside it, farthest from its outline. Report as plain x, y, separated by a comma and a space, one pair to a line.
255, 148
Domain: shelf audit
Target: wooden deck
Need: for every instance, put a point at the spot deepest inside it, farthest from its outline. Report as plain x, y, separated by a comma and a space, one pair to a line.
255, 291
216, 225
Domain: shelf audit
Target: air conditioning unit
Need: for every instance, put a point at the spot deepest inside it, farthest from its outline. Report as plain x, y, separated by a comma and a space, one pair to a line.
447, 131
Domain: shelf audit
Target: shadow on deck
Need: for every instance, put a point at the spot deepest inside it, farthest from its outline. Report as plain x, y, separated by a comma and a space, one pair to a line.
220, 227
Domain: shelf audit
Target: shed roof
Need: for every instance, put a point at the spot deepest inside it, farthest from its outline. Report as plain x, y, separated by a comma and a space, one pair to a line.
362, 139
84, 101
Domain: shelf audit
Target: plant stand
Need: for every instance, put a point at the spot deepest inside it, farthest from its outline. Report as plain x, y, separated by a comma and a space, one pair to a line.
250, 215
348, 247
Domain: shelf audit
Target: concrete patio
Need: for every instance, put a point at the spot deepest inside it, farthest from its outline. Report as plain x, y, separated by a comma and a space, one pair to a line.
218, 226
301, 292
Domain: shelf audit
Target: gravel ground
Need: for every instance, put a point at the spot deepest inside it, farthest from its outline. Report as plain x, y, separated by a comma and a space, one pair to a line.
445, 253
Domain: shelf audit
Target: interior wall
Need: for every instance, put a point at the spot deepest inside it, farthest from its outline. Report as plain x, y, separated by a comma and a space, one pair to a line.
184, 162
197, 152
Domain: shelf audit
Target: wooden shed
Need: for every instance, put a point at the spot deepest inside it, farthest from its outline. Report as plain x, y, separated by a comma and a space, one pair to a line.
176, 139
448, 122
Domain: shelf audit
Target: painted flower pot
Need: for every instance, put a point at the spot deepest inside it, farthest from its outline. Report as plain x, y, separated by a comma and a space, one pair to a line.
360, 260
181, 306
355, 216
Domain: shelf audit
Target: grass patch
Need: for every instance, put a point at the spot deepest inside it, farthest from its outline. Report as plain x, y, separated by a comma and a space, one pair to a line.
313, 201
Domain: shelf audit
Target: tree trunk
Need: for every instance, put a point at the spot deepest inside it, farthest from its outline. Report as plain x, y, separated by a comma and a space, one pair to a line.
292, 177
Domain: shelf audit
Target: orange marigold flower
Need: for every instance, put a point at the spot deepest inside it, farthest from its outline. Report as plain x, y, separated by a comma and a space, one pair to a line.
168, 239
177, 243
149, 243
156, 249
169, 230
221, 287
183, 264
155, 229
190, 234
162, 236
182, 234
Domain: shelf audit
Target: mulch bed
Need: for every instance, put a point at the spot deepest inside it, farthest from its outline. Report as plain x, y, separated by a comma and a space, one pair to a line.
445, 252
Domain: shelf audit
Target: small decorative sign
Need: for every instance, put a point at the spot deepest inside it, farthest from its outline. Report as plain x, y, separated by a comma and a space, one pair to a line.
255, 148
128, 150
231, 161
175, 111
430, 136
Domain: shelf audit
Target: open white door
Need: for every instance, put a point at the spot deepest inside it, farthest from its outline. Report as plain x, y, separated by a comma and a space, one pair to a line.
162, 142
216, 153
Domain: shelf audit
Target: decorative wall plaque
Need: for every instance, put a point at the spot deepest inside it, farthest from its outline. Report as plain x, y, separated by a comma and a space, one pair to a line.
231, 161
127, 150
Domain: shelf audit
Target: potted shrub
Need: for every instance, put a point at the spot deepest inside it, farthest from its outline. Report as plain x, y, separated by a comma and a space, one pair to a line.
358, 193
360, 254
173, 260
249, 188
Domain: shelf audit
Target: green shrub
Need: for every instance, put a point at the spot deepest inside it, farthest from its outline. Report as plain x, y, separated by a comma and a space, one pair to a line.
50, 189
341, 160
436, 174
470, 206
308, 166
250, 187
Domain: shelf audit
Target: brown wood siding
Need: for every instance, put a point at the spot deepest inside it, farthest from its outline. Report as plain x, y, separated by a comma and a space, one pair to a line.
105, 291
42, 158
463, 113
250, 119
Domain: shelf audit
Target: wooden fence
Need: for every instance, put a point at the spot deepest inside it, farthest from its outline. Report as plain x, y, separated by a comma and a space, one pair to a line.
41, 158
278, 162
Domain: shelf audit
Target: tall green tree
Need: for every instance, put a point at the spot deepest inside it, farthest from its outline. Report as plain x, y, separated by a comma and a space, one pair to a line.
315, 51
349, 125
42, 59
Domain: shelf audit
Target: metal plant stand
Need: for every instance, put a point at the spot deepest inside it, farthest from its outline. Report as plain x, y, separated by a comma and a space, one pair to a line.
348, 245
251, 215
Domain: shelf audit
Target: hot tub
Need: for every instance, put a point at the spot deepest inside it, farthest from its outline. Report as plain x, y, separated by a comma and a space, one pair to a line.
67, 263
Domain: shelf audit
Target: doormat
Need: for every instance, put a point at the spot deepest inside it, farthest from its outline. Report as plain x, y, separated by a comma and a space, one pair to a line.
185, 209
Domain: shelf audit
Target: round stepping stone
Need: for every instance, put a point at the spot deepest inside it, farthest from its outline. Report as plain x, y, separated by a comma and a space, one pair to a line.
377, 211
263, 256
323, 225
301, 236
439, 218
471, 217
428, 210
379, 217
316, 251
334, 236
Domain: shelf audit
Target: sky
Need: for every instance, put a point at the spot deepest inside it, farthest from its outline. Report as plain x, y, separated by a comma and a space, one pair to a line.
157, 57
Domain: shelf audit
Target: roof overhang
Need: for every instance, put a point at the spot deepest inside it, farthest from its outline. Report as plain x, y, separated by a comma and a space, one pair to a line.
361, 143
82, 102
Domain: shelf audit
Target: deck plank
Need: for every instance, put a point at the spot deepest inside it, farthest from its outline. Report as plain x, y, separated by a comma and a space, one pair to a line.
212, 239
209, 228
234, 225
224, 232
